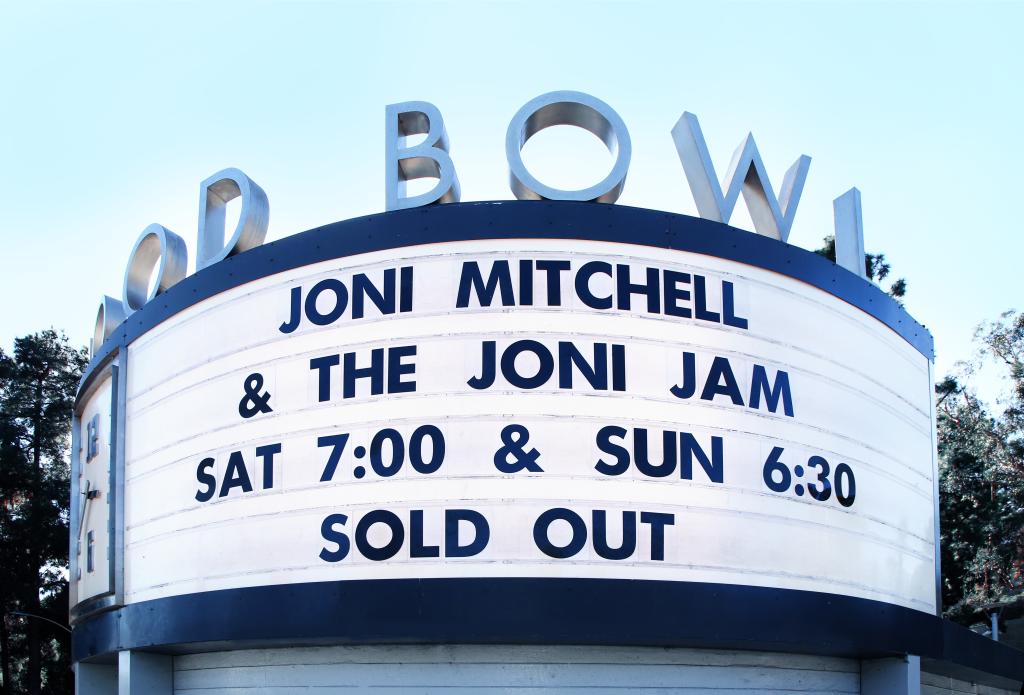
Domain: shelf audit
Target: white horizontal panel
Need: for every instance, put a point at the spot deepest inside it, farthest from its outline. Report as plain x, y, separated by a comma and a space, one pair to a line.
701, 545
508, 654
510, 668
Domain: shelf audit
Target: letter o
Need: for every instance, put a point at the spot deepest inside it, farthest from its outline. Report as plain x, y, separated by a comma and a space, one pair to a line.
340, 301
544, 370
543, 525
391, 548
157, 244
567, 108
109, 316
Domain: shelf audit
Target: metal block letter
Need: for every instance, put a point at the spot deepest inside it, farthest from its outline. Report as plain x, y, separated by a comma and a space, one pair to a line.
428, 159
850, 232
772, 217
253, 219
575, 109
109, 316
160, 248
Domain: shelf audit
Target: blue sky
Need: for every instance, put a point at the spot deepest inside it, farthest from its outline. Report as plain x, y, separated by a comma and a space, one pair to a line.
113, 113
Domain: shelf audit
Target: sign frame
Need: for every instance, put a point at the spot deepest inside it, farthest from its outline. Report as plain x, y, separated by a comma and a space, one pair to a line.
113, 366
379, 610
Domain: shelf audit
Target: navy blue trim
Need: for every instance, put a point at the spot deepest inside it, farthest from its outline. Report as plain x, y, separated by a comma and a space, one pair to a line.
538, 611
967, 648
517, 219
517, 611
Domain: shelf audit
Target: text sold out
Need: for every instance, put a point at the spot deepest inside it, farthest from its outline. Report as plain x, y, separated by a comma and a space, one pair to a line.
559, 533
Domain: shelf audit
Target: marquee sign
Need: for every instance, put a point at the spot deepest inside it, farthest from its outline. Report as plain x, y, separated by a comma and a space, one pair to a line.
501, 392
528, 408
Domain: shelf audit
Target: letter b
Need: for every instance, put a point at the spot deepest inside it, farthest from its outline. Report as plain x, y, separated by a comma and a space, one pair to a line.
427, 159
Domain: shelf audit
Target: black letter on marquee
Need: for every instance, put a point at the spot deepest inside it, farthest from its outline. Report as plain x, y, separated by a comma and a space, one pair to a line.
553, 269
759, 385
416, 547
570, 356
579, 533
266, 453
713, 467
396, 369
700, 301
332, 536
340, 301
605, 444
236, 475
481, 533
601, 536
544, 371
389, 519
405, 289
525, 282
296, 313
323, 366
672, 294
721, 369
689, 385
337, 442
206, 479
471, 278
624, 288
618, 367
363, 288
729, 317
375, 372
487, 367
583, 284
658, 522
668, 453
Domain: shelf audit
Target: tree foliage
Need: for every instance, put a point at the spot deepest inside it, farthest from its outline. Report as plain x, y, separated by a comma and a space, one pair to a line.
875, 265
37, 389
981, 465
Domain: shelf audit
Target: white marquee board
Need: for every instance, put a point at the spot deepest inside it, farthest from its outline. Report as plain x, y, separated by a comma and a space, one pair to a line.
860, 401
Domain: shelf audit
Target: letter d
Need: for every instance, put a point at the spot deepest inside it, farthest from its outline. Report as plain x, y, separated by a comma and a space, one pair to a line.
253, 218
427, 159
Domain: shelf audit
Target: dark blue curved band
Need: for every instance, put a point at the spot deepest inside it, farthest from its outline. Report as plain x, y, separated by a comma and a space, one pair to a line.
521, 220
537, 611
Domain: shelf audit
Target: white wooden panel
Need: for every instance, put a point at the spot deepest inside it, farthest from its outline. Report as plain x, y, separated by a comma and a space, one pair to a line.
934, 684
511, 669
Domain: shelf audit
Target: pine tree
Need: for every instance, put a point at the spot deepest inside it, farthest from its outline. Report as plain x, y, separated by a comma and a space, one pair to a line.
37, 389
875, 267
981, 460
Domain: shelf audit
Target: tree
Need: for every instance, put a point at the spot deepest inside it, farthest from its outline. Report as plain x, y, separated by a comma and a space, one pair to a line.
875, 265
37, 389
981, 465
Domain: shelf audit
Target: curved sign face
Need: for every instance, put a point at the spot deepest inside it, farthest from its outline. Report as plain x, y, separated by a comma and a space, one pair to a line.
590, 407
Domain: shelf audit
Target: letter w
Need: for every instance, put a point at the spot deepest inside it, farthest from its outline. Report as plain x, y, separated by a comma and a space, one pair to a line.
772, 217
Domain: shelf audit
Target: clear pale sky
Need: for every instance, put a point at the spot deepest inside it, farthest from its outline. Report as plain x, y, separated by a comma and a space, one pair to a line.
113, 113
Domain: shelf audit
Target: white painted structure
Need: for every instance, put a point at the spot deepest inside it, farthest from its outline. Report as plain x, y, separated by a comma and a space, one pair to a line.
427, 458
502, 669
